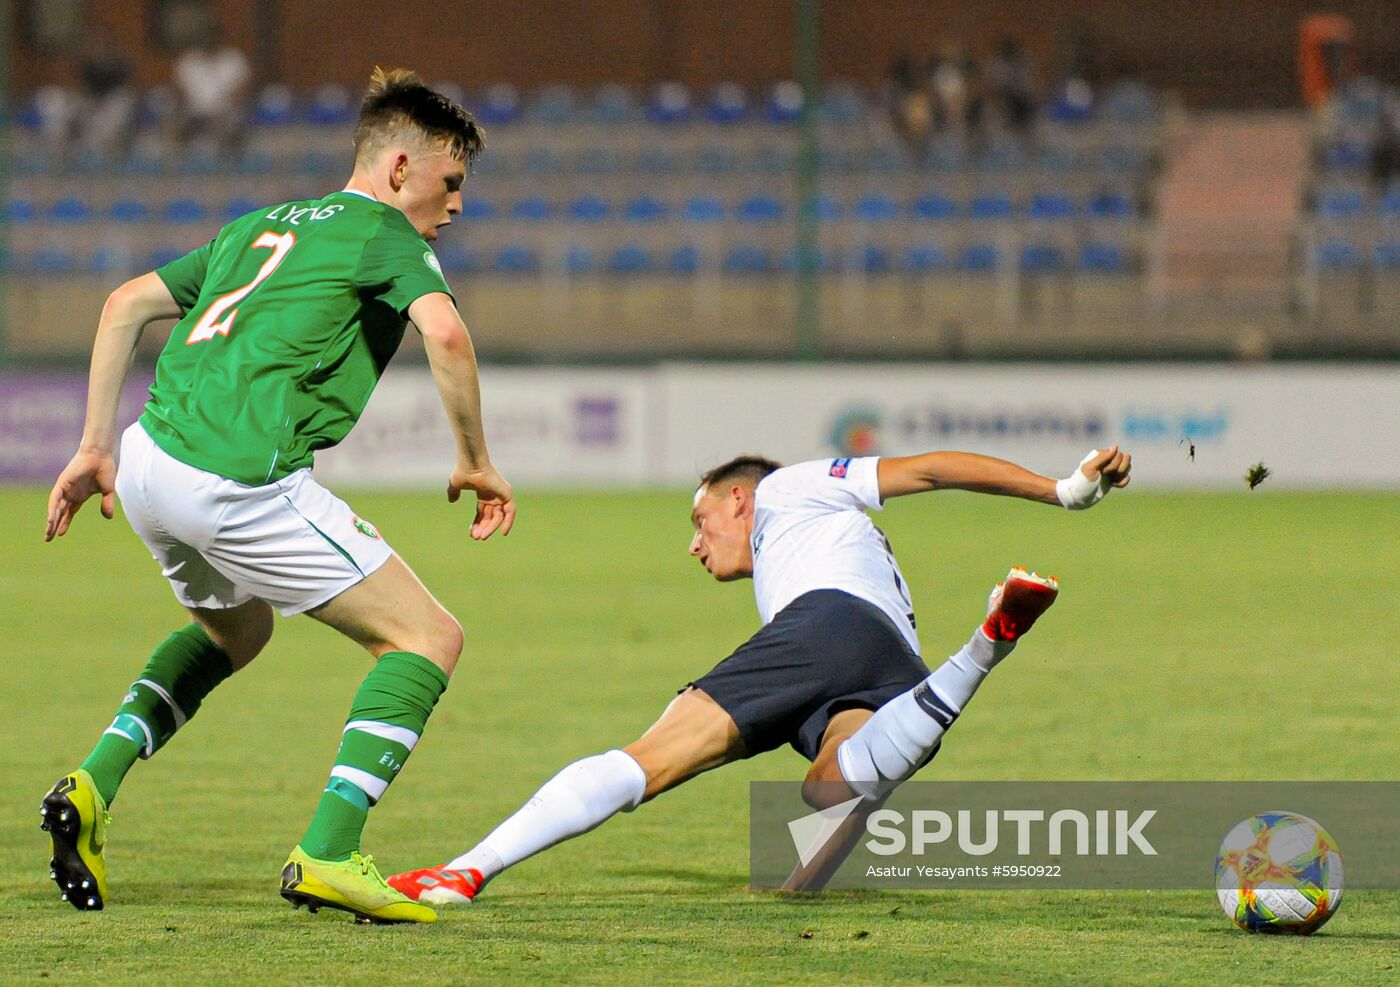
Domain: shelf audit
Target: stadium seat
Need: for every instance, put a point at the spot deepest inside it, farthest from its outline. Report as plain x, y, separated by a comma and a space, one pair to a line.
1109, 205
872, 258
934, 207
588, 209
1051, 207
458, 259
612, 104
531, 210
876, 209
330, 106
645, 209
823, 208
102, 261
770, 159
553, 105
1129, 101
274, 107
922, 258
499, 105
184, 211
783, 103
991, 207
714, 159
630, 258
760, 209
979, 258
516, 260
129, 211
668, 103
163, 255
822, 261
727, 103
1348, 204
201, 162
20, 211
254, 163
702, 209
1338, 255
579, 260
685, 260
1387, 255
747, 258
597, 161
54, 260
478, 210
542, 161
658, 159
1103, 258
1041, 258
70, 209
1344, 155
842, 103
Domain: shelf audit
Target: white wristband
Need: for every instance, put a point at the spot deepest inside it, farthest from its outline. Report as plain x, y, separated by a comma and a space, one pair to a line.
1077, 492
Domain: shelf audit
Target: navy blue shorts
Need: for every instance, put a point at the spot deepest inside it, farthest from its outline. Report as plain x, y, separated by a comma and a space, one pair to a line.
825, 652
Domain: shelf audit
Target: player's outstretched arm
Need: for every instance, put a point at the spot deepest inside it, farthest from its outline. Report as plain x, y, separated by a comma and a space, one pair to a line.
1097, 473
92, 469
453, 361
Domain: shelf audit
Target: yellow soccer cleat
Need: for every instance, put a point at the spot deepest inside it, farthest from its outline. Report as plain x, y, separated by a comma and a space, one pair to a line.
352, 886
75, 817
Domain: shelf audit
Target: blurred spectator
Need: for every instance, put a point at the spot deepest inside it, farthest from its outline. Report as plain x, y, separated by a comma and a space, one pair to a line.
956, 86
108, 104
1324, 56
212, 83
911, 111
1011, 85
1385, 153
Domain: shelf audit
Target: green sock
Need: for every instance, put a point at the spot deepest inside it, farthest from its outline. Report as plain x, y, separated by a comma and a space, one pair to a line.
386, 719
183, 669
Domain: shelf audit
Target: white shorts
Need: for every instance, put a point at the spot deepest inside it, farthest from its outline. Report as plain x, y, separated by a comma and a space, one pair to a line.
292, 543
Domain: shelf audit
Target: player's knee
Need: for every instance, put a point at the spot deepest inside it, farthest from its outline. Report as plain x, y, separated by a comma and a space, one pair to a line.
242, 639
824, 787
444, 642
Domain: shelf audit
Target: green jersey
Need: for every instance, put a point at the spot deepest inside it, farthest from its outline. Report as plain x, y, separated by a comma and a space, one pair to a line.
290, 316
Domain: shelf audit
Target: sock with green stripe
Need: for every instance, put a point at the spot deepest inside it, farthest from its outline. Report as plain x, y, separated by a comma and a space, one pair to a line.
386, 720
183, 669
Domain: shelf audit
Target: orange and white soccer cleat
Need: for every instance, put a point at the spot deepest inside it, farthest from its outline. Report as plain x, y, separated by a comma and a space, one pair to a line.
438, 885
1017, 603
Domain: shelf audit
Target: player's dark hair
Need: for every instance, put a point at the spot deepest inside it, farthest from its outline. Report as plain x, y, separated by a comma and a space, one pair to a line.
397, 100
751, 469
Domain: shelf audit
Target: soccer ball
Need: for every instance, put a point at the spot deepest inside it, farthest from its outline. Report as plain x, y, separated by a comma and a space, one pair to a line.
1279, 872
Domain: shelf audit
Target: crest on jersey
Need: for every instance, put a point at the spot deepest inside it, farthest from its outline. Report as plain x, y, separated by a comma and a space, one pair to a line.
365, 528
839, 468
431, 260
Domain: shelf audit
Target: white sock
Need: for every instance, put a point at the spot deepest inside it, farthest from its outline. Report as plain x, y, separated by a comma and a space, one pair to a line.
582, 796
902, 734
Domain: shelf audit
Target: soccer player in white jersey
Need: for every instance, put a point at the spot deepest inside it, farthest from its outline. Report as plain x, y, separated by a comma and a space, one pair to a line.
834, 670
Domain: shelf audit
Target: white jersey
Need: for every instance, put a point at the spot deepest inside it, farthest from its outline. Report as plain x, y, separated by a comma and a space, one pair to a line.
811, 532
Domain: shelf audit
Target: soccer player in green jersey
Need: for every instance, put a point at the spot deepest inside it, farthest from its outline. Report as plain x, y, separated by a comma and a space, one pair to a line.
286, 321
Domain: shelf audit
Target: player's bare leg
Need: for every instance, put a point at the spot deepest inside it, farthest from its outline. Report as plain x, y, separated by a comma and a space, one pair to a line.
182, 671
904, 733
693, 735
416, 644
823, 788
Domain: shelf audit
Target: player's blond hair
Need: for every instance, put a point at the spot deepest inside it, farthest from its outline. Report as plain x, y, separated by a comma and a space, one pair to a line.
398, 106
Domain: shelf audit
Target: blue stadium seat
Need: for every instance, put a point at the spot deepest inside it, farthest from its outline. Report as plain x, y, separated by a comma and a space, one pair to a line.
274, 107
457, 258
645, 209
1342, 155
924, 257
783, 103
872, 258
822, 261
102, 261
823, 208
1103, 258
129, 211
330, 106
979, 258
1341, 205
54, 260
1130, 101
20, 211
1072, 104
726, 103
163, 255
516, 260
1338, 255
991, 207
1390, 202
702, 209
531, 210
684, 260
588, 209
202, 162
478, 210
770, 159
1387, 255
1052, 207
747, 258
630, 258
612, 104
1041, 258
254, 163
554, 104
499, 105
760, 209
70, 209
28, 116
876, 209
184, 211
934, 207
1109, 205
239, 206
140, 162
842, 103
669, 103
579, 260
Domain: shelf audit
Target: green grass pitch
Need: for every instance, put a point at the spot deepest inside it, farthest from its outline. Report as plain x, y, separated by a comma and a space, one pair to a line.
1198, 636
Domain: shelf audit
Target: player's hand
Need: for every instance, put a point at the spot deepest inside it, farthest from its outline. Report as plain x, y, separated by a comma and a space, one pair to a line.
87, 474
495, 503
1100, 471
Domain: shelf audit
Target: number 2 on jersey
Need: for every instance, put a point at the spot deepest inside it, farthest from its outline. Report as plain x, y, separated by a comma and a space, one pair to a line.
217, 319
